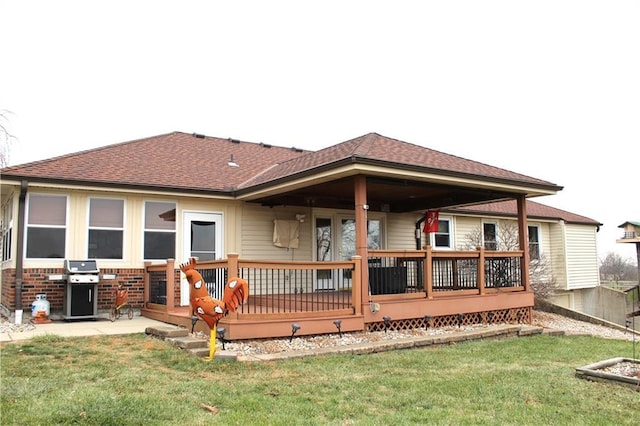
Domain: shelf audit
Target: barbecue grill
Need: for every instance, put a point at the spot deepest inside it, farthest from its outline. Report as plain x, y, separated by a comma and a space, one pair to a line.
81, 292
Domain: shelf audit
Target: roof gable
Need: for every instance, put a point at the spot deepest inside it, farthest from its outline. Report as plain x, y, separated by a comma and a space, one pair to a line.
374, 148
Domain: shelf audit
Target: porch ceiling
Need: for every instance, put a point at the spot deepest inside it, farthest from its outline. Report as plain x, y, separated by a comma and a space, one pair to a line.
383, 194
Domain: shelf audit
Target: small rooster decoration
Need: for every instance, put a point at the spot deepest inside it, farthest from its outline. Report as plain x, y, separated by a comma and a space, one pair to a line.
207, 308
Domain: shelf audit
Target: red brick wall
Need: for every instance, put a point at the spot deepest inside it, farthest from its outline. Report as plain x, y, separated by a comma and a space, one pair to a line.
7, 298
36, 281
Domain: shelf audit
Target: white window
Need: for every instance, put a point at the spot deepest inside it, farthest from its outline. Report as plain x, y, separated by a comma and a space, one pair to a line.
106, 228
6, 229
46, 226
534, 242
489, 236
443, 238
159, 230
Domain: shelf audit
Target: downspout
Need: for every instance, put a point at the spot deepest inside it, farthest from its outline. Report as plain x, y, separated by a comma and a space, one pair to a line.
419, 232
20, 242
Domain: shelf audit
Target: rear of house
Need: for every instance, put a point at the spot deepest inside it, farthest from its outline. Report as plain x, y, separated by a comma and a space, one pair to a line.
215, 198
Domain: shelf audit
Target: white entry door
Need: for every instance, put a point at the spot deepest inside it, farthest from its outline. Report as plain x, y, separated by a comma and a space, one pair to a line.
202, 238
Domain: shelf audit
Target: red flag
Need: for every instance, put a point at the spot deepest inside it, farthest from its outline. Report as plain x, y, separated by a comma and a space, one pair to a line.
431, 224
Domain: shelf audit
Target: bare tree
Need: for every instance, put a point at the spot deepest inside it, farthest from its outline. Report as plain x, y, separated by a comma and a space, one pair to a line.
616, 268
543, 283
6, 138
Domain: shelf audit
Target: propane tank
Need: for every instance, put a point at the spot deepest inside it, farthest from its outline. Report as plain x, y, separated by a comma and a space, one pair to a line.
40, 304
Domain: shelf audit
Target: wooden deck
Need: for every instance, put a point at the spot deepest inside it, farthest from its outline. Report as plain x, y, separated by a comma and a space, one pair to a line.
405, 311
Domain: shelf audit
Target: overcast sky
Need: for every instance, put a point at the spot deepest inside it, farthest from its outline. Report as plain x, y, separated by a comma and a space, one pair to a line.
550, 89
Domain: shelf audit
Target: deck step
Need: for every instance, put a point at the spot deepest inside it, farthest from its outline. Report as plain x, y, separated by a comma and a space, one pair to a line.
189, 342
551, 332
528, 330
164, 332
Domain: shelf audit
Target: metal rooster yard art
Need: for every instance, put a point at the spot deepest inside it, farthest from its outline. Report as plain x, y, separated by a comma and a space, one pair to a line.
207, 308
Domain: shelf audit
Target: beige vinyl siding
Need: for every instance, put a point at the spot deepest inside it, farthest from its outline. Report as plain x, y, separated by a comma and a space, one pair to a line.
400, 234
464, 228
256, 234
582, 256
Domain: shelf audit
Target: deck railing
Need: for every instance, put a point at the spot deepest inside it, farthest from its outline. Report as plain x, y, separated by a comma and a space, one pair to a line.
438, 272
281, 287
284, 287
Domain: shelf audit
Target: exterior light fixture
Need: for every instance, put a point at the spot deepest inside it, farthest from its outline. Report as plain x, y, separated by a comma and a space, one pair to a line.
194, 320
294, 327
427, 321
338, 324
387, 320
220, 332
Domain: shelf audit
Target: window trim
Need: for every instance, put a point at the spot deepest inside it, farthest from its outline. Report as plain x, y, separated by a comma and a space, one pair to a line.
432, 235
495, 231
103, 228
28, 225
174, 231
6, 230
538, 242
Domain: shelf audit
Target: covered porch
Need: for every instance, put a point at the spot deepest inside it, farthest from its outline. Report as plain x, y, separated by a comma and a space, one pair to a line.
369, 289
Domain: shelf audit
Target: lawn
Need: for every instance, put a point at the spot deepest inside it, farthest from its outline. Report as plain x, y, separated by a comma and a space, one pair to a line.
139, 380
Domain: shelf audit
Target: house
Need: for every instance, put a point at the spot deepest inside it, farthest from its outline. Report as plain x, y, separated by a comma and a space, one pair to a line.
562, 245
334, 234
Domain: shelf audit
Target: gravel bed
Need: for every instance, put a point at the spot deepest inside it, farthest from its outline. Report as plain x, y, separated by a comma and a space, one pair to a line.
627, 369
540, 319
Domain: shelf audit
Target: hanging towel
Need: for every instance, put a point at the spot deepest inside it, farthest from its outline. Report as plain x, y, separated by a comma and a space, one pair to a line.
286, 233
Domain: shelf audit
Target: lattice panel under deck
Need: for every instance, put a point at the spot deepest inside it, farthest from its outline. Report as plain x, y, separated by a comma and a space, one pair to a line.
515, 315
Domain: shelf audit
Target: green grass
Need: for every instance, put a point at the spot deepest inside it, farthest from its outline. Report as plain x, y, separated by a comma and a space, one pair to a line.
136, 380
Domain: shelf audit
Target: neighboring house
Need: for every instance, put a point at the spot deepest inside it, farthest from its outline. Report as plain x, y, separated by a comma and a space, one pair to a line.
331, 234
565, 241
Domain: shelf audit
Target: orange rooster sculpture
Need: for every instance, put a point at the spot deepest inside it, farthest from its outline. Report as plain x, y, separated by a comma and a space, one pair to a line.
211, 310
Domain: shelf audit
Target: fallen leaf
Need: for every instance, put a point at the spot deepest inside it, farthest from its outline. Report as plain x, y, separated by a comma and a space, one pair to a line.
209, 408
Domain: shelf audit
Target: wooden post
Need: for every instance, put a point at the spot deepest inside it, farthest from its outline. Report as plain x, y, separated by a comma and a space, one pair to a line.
232, 268
523, 241
361, 208
481, 277
356, 285
171, 281
428, 273
146, 283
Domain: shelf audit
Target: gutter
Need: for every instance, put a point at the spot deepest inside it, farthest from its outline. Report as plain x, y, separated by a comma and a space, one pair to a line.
24, 184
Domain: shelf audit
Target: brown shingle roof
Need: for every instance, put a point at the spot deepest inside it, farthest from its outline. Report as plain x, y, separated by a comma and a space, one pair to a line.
374, 148
534, 210
175, 160
194, 162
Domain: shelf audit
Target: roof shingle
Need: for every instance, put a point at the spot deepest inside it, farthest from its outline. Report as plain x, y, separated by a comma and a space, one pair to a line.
195, 162
534, 210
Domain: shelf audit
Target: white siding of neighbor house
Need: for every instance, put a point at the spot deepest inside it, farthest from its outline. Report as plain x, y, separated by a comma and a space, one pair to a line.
557, 253
582, 256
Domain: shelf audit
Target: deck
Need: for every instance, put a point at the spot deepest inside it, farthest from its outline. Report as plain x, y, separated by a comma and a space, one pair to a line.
403, 290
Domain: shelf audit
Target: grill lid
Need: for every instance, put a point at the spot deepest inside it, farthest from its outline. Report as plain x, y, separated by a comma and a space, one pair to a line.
81, 266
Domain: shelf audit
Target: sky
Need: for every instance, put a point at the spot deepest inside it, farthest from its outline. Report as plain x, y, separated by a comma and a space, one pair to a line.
549, 89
